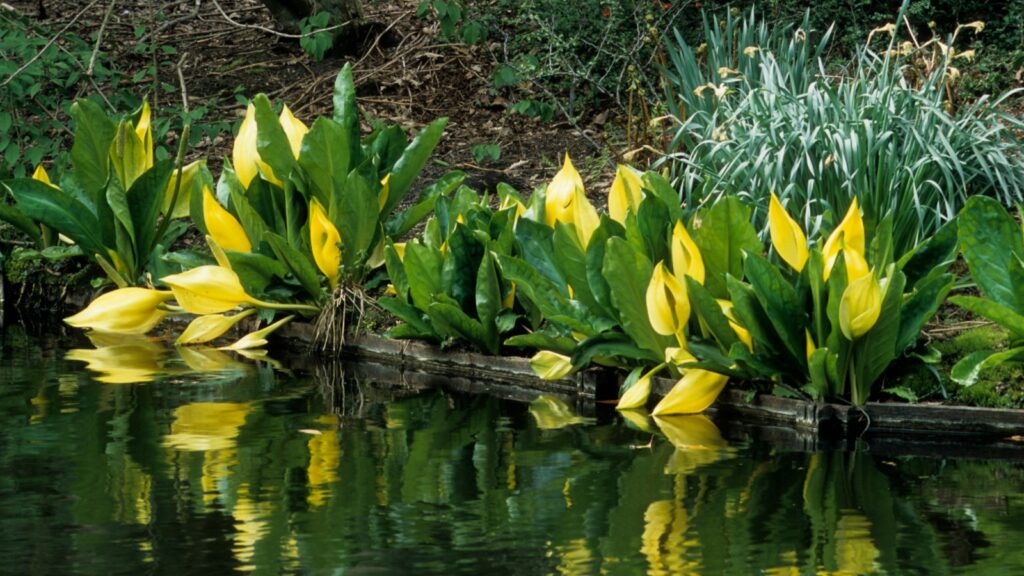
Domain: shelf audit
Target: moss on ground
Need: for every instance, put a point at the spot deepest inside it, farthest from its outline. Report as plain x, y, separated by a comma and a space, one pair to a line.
997, 387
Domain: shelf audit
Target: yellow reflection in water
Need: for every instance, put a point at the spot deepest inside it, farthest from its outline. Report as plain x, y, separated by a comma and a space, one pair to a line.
122, 359
574, 558
204, 426
211, 428
697, 440
324, 457
664, 541
250, 526
855, 550
552, 413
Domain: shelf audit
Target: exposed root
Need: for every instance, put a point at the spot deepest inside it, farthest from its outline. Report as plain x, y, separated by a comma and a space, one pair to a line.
340, 317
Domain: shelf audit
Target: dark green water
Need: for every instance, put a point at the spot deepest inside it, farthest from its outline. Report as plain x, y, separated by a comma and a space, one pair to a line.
217, 465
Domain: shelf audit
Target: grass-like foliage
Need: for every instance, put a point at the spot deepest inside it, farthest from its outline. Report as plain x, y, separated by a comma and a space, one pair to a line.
758, 113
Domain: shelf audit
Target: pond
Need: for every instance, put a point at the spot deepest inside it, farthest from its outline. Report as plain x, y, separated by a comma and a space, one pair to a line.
207, 463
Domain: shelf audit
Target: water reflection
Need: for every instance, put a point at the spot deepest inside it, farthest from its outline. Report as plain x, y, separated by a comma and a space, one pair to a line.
255, 471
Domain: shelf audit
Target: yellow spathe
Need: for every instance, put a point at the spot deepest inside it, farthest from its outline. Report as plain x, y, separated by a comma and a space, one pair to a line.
788, 238
123, 311
222, 226
325, 242
693, 393
625, 194
668, 306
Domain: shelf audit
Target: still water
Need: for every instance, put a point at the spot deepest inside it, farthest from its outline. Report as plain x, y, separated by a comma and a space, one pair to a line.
206, 463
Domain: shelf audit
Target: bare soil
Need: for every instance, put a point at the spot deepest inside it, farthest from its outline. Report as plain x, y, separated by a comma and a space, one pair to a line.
403, 75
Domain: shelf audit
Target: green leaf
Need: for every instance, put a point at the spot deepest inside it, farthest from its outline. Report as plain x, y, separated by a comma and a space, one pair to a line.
991, 240
90, 154
818, 374
357, 221
346, 113
595, 264
396, 271
453, 322
488, 299
572, 262
423, 268
255, 228
271, 141
628, 272
543, 341
542, 293
254, 270
994, 311
966, 371
19, 220
781, 304
933, 256
710, 314
654, 226
920, 306
145, 199
409, 314
401, 222
58, 211
536, 248
325, 158
747, 308
117, 200
723, 233
656, 185
609, 345
408, 167
300, 265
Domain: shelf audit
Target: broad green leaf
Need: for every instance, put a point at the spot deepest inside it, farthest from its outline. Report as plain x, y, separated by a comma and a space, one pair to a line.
254, 270
19, 220
325, 158
628, 272
60, 212
271, 141
357, 221
543, 341
920, 306
412, 161
488, 299
723, 233
932, 256
991, 239
966, 371
595, 264
542, 293
572, 262
145, 199
537, 250
409, 314
346, 112
461, 266
781, 304
117, 200
255, 228
747, 308
90, 154
710, 314
401, 222
423, 268
654, 225
816, 369
610, 345
299, 264
656, 185
994, 311
450, 320
396, 272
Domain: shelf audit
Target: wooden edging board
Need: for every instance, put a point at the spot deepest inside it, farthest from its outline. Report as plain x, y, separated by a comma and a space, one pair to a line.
421, 364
